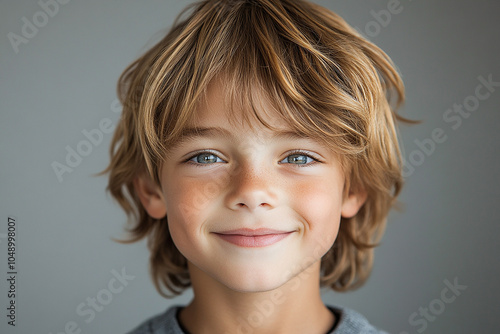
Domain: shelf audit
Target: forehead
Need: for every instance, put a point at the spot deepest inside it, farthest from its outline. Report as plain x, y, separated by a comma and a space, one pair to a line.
222, 104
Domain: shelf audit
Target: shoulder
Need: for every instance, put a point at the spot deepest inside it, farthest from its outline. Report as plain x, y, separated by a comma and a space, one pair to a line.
352, 322
165, 323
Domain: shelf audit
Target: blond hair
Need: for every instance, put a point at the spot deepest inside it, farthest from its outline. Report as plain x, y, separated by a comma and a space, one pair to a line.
323, 78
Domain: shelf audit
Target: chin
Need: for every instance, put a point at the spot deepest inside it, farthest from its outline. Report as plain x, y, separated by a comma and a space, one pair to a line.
250, 286
253, 281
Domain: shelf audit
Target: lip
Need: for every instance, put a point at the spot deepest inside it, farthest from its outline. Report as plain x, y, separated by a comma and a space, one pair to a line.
253, 238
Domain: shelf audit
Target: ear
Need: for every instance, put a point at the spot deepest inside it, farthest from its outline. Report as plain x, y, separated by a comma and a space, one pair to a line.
151, 196
353, 202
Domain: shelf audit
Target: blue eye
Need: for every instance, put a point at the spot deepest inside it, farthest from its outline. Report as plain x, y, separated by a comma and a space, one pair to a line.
205, 158
298, 159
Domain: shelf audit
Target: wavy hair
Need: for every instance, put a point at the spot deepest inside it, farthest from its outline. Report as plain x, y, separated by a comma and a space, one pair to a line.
321, 75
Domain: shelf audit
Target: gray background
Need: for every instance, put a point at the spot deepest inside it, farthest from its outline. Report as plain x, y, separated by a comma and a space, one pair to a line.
62, 81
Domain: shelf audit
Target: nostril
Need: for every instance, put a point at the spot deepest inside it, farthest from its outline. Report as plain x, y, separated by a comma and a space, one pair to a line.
261, 205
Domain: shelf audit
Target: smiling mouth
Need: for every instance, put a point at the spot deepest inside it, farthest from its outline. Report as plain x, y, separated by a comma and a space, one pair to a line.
253, 238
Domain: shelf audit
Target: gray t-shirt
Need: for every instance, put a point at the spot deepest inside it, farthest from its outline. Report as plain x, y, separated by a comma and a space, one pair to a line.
348, 322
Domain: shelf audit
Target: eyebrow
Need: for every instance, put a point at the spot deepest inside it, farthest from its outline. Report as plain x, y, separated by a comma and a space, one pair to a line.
211, 132
194, 132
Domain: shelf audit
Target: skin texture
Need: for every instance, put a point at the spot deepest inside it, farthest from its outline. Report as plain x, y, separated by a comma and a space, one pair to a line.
242, 177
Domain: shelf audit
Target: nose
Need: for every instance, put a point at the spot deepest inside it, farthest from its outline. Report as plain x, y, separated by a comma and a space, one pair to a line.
251, 188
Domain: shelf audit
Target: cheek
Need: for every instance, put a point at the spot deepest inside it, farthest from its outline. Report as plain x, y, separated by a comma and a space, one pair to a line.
189, 202
188, 198
319, 204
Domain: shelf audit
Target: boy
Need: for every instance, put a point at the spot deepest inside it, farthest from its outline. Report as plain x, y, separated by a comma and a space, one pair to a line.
257, 152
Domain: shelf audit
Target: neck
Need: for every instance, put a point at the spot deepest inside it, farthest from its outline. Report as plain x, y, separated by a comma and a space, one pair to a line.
295, 307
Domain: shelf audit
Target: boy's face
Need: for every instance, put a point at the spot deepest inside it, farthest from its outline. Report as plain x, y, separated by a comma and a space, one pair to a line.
249, 208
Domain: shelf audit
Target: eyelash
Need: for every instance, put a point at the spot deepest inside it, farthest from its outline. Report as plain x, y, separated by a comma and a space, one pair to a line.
296, 152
